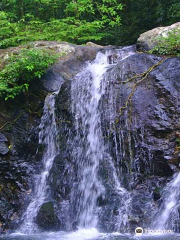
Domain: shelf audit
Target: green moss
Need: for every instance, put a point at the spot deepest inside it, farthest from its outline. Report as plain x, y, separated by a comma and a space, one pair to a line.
178, 143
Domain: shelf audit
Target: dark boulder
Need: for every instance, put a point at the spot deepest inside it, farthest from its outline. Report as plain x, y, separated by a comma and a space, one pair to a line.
47, 219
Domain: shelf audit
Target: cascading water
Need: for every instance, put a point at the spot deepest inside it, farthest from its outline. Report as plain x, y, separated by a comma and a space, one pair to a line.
90, 149
87, 91
48, 137
168, 213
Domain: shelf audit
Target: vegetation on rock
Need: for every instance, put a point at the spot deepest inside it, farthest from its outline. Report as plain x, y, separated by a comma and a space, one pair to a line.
168, 45
21, 69
116, 22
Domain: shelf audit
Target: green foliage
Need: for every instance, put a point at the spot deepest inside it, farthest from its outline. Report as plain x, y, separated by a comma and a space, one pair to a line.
7, 29
178, 143
70, 30
20, 70
169, 45
174, 12
138, 16
116, 22
79, 22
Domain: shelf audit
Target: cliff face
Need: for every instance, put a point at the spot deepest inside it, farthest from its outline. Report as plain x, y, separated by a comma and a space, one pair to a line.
143, 95
140, 117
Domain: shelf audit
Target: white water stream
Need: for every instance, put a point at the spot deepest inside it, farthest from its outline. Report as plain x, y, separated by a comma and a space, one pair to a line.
171, 200
87, 92
48, 137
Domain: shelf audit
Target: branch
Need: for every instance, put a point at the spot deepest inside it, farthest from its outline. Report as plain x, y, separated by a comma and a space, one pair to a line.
11, 122
144, 75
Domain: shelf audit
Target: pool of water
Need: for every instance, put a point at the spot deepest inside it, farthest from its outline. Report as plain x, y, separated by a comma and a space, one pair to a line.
87, 234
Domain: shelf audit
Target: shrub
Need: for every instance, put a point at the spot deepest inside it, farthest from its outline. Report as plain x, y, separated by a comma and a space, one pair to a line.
169, 45
20, 70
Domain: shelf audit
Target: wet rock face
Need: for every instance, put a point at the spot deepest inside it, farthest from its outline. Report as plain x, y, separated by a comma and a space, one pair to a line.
153, 114
17, 163
143, 140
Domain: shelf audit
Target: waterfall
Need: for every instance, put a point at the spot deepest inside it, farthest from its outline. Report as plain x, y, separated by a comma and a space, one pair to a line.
48, 137
90, 150
87, 91
97, 149
168, 212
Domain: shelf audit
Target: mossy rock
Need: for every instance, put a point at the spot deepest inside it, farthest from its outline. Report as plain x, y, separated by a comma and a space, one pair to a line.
47, 218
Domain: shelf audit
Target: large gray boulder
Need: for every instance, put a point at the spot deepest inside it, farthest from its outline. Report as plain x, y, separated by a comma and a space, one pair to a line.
148, 40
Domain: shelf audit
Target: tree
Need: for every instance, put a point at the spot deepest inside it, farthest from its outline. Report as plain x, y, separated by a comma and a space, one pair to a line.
116, 22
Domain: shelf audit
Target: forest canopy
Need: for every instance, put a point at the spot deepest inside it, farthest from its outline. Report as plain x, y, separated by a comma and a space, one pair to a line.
115, 22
